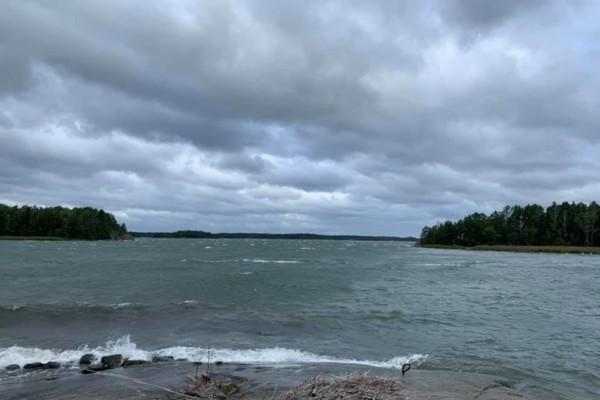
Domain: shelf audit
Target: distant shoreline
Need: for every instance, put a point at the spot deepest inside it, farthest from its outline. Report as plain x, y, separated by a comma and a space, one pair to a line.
251, 235
270, 236
519, 249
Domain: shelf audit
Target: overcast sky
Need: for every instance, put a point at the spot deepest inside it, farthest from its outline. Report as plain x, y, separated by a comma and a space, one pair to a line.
362, 117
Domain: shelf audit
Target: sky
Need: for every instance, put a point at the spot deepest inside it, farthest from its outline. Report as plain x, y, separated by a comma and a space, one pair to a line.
355, 117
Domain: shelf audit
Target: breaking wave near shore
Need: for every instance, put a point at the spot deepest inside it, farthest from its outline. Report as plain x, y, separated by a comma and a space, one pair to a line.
129, 349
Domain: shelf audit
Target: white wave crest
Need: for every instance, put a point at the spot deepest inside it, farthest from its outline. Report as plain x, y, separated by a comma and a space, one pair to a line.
23, 355
276, 355
259, 260
279, 355
11, 307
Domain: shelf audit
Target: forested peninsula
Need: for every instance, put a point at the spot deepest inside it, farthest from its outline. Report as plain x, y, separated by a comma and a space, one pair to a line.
32, 222
530, 227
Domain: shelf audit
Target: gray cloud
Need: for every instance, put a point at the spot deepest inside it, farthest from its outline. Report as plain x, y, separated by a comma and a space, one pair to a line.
326, 116
480, 16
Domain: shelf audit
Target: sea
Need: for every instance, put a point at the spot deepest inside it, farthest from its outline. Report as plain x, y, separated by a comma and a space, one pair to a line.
531, 319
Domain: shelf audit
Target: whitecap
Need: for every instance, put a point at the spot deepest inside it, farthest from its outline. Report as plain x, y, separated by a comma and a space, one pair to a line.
261, 261
23, 355
279, 355
11, 307
125, 305
275, 355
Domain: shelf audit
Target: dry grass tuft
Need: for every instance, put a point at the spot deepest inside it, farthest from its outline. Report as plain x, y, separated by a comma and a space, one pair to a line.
218, 390
353, 387
356, 387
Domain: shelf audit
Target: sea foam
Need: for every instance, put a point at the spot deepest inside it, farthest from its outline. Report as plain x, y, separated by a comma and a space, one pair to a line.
276, 355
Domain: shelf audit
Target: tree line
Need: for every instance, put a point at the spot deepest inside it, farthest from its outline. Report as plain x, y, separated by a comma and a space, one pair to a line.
566, 224
72, 223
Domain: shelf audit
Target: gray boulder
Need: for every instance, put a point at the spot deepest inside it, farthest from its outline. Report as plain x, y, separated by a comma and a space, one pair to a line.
112, 361
35, 365
51, 365
95, 368
131, 363
87, 359
12, 367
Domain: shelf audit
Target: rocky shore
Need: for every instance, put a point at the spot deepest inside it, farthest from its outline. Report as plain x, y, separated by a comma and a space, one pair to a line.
165, 378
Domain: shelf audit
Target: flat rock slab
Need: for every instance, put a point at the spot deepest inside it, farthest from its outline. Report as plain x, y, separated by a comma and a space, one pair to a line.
159, 381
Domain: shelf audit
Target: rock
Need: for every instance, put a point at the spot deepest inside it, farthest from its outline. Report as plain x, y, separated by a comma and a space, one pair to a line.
405, 368
51, 365
112, 361
95, 368
131, 363
162, 358
87, 359
35, 365
12, 367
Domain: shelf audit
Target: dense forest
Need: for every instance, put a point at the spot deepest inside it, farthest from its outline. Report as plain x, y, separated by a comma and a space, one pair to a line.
291, 236
71, 223
566, 224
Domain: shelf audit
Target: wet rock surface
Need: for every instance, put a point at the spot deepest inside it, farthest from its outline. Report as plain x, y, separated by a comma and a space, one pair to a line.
51, 365
95, 368
112, 361
87, 359
133, 363
34, 365
162, 359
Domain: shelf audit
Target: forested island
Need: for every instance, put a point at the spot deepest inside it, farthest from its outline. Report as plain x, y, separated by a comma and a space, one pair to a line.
566, 225
32, 222
292, 236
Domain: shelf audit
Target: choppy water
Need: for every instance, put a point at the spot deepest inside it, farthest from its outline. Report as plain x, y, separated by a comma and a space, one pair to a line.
533, 319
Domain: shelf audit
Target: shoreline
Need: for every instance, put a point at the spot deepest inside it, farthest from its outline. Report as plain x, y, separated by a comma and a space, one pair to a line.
173, 380
518, 249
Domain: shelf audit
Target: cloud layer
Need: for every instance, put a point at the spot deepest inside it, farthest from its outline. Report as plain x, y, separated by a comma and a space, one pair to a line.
323, 116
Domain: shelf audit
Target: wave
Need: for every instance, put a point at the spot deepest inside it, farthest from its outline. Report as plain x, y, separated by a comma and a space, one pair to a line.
23, 355
74, 307
11, 307
275, 355
81, 305
259, 260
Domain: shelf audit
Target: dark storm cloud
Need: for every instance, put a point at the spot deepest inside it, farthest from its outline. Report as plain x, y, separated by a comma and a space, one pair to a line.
478, 15
329, 116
